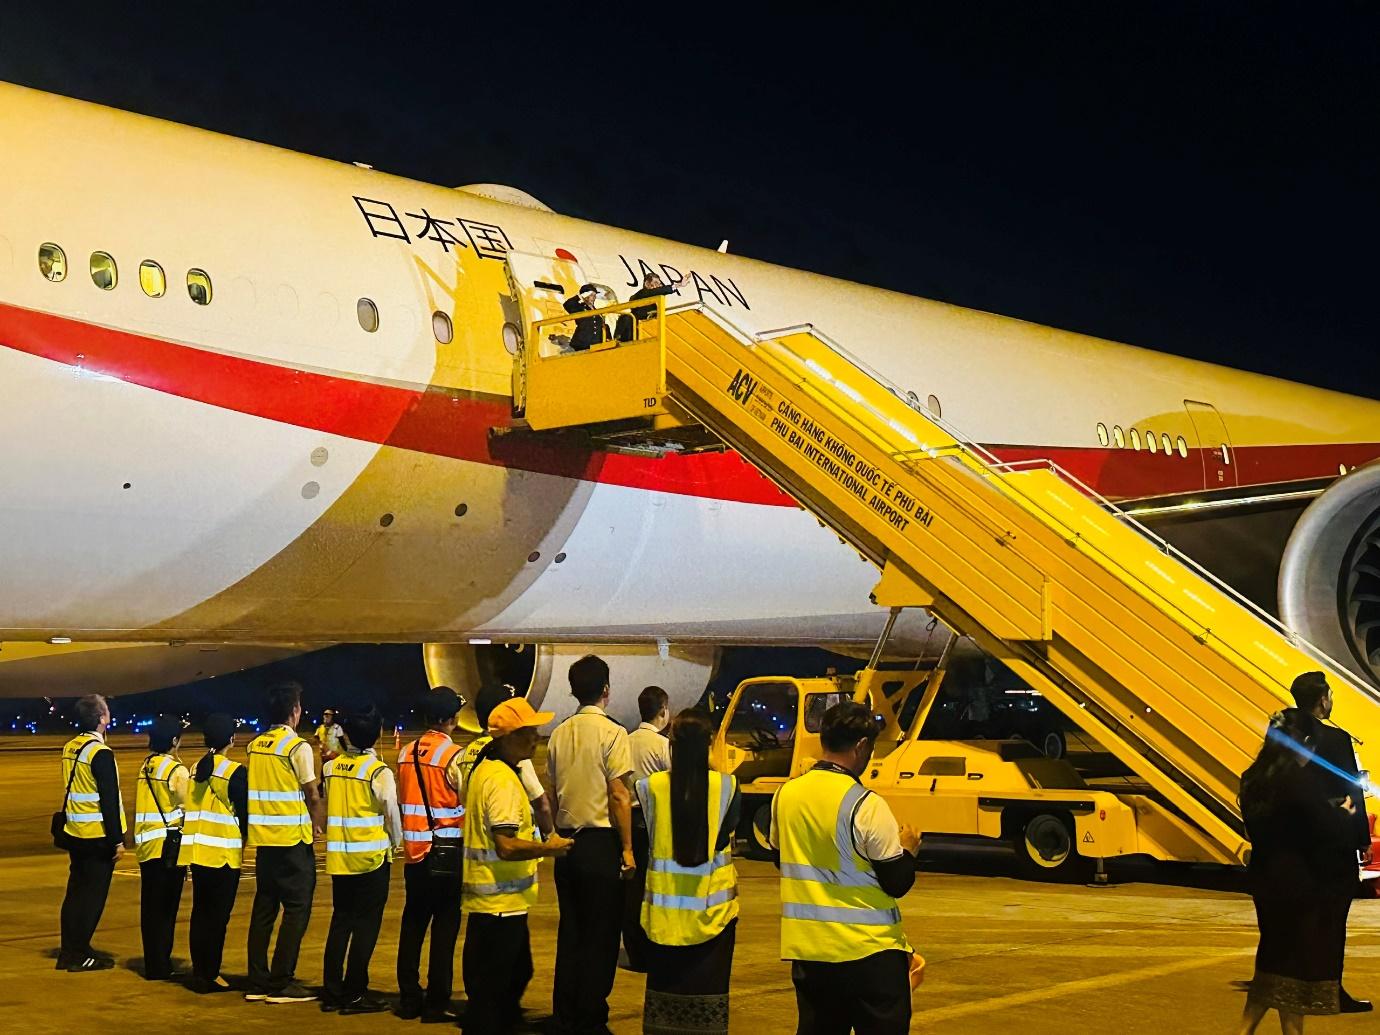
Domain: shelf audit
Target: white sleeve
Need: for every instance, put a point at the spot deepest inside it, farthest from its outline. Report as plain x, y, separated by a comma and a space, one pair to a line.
875, 831
531, 783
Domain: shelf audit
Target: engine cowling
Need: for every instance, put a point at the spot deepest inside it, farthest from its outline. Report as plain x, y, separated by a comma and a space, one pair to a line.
1329, 577
539, 672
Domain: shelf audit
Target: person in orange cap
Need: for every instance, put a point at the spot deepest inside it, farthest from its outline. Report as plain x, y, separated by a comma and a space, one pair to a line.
500, 885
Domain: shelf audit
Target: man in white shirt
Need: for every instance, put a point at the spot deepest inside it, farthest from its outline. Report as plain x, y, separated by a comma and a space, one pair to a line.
590, 769
651, 753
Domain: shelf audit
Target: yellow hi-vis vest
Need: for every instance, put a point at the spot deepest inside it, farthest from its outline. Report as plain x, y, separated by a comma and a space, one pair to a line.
211, 831
686, 905
356, 840
278, 816
84, 800
154, 791
492, 885
832, 908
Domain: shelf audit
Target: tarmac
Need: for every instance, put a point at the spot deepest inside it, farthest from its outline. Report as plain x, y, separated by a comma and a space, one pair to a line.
1161, 950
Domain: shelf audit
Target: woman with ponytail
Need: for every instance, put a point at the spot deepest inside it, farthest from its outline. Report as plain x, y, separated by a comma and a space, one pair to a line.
690, 908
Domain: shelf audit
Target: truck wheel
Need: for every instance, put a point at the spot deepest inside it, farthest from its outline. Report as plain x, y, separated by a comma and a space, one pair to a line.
756, 831
1053, 744
1046, 850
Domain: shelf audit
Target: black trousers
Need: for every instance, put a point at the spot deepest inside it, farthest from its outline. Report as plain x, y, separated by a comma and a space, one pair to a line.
635, 941
497, 966
870, 996
213, 900
90, 865
432, 902
286, 879
590, 893
160, 893
357, 903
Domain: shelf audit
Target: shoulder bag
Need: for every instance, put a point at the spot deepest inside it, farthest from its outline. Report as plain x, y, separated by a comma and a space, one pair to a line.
444, 857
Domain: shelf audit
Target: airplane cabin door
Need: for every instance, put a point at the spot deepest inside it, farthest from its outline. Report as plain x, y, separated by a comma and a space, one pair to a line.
1219, 465
539, 284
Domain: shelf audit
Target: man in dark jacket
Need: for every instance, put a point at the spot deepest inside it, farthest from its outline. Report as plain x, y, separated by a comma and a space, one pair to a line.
591, 330
1313, 695
652, 285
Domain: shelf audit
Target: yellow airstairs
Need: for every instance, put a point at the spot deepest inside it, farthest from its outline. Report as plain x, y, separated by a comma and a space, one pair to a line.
1162, 664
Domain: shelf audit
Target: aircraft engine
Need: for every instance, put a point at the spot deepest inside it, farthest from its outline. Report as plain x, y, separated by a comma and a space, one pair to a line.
1329, 578
538, 671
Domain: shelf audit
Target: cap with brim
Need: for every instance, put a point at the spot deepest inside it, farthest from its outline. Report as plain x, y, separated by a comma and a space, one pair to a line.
218, 728
515, 714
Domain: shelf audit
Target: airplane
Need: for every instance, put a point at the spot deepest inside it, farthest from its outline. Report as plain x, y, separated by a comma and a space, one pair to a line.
247, 396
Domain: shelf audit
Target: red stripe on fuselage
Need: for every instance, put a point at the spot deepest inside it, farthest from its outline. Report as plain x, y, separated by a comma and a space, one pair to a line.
454, 423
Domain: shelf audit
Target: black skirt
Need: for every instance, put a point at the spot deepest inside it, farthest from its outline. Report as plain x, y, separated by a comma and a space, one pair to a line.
1298, 964
687, 986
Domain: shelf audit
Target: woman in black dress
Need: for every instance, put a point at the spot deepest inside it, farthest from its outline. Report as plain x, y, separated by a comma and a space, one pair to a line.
1301, 853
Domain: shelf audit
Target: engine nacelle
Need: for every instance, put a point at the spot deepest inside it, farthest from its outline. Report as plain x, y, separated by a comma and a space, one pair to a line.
539, 672
1329, 578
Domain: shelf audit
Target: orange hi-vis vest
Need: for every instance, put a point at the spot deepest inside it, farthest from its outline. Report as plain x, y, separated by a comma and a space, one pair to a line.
433, 753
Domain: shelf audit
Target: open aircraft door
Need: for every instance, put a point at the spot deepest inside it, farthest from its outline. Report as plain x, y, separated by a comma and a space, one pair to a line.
1219, 466
539, 285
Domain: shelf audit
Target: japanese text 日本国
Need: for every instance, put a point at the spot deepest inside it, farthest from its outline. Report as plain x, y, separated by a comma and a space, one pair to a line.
489, 240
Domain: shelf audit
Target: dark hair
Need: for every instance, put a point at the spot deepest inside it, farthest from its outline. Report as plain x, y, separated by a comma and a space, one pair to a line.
691, 732
490, 696
1309, 689
283, 699
651, 701
439, 705
362, 728
1290, 733
165, 730
847, 723
588, 678
216, 732
89, 710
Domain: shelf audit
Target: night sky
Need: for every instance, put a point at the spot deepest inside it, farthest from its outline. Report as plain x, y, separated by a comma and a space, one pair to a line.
1199, 179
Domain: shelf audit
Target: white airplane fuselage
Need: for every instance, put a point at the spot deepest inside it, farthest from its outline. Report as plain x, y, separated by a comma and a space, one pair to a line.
264, 469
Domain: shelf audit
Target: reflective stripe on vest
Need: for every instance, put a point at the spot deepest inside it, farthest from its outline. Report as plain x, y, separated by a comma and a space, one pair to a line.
150, 831
278, 815
492, 885
686, 905
356, 839
832, 908
83, 811
435, 752
210, 831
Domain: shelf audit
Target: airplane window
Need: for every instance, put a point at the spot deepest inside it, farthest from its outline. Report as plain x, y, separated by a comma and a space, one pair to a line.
442, 327
933, 405
1152, 442
1102, 434
1168, 445
103, 272
151, 279
512, 337
199, 287
1135, 440
52, 262
1183, 448
1119, 437
368, 314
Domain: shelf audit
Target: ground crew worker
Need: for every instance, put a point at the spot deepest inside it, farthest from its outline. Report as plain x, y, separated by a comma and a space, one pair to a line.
589, 330
690, 909
501, 853
328, 736
490, 696
285, 813
430, 780
93, 832
158, 800
844, 863
590, 768
213, 836
362, 831
650, 753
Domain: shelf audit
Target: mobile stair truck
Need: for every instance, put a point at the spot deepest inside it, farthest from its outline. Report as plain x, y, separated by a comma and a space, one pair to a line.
1165, 667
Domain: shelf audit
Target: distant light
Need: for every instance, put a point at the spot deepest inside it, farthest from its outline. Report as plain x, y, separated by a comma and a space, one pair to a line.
478, 642
61, 639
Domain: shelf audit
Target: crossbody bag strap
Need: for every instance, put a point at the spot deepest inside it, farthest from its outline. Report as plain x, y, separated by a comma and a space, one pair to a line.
421, 783
153, 793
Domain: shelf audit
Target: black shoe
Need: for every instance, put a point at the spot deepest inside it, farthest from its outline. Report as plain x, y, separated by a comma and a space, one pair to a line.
1350, 1005
203, 987
82, 964
292, 993
64, 961
408, 1011
437, 1015
329, 1004
363, 1004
